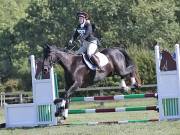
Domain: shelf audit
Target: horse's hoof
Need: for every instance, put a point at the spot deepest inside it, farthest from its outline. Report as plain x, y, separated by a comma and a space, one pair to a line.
64, 118
61, 108
136, 85
157, 109
2, 125
125, 89
59, 112
61, 121
56, 114
56, 101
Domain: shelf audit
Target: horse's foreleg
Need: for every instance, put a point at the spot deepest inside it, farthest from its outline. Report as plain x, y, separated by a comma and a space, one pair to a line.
64, 112
65, 102
71, 90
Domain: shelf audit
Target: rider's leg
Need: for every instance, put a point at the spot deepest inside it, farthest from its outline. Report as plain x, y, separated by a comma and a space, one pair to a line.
82, 49
91, 50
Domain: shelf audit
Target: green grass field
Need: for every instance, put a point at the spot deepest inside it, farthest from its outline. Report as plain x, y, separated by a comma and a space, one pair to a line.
150, 128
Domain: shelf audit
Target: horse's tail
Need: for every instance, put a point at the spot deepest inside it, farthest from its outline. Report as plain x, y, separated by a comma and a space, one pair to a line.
128, 60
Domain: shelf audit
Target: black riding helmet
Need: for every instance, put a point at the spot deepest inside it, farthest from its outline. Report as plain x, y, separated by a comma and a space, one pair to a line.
82, 14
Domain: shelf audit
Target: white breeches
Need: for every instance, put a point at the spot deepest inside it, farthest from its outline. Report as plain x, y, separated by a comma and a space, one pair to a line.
90, 47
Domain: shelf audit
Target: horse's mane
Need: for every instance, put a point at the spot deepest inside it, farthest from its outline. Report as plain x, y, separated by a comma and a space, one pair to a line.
70, 51
56, 48
65, 50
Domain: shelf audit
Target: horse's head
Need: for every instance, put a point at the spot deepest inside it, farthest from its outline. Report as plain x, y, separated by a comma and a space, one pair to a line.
39, 63
39, 70
49, 57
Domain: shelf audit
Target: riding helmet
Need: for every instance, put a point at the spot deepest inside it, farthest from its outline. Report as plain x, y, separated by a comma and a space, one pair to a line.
82, 14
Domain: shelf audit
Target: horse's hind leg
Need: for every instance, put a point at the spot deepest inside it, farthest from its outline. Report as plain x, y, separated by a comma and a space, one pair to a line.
135, 79
124, 87
124, 72
127, 70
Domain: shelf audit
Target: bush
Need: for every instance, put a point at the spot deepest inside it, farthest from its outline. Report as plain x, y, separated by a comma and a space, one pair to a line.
12, 85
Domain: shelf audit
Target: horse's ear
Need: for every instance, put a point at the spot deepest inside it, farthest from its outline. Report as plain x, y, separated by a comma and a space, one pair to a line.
166, 50
46, 50
46, 47
163, 50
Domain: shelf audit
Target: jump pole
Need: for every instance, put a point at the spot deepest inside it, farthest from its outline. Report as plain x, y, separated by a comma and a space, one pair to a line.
118, 109
107, 98
115, 98
112, 122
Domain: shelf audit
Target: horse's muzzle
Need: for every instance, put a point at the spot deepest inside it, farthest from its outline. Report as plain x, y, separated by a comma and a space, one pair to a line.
45, 70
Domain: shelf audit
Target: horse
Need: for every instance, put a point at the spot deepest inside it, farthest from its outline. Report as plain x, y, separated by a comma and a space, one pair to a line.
167, 62
77, 74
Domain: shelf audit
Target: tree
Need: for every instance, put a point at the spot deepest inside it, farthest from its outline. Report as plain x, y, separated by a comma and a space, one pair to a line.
27, 25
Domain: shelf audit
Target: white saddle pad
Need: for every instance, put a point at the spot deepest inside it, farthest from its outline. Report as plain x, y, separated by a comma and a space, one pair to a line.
102, 58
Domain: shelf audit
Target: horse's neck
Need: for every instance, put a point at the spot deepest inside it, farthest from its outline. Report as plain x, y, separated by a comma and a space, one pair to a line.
64, 59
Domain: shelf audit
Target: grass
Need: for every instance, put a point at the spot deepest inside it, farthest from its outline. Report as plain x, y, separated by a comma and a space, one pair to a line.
150, 128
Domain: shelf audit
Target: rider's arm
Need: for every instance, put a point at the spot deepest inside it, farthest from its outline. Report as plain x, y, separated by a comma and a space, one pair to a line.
75, 35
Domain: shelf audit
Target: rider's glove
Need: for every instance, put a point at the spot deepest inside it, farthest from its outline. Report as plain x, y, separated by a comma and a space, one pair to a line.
70, 42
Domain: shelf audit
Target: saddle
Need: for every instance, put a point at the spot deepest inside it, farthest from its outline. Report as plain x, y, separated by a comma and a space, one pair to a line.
102, 58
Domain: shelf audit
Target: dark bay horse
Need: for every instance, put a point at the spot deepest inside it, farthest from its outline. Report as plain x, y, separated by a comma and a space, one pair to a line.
77, 74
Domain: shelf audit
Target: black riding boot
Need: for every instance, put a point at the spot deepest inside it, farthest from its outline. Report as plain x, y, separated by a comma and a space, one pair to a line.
95, 60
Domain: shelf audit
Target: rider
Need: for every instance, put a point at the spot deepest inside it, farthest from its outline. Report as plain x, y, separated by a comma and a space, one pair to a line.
89, 43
